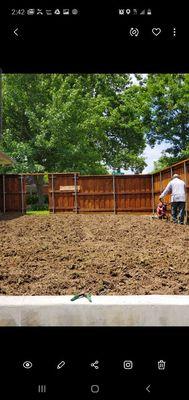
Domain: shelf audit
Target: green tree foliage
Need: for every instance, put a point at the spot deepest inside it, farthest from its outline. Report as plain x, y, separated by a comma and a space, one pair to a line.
86, 123
167, 115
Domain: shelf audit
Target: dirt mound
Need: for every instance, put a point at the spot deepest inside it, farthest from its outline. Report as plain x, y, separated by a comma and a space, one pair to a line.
99, 254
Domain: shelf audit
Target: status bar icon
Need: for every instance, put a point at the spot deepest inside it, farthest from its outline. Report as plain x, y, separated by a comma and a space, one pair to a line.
121, 11
75, 11
49, 12
31, 11
39, 11
57, 12
66, 11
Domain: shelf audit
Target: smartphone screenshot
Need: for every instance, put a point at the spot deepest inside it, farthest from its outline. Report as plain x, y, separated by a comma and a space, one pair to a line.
94, 200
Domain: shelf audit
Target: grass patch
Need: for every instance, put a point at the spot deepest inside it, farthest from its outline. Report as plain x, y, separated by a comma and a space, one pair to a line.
42, 212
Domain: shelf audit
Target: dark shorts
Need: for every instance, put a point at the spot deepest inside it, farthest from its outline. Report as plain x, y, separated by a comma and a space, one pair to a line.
178, 211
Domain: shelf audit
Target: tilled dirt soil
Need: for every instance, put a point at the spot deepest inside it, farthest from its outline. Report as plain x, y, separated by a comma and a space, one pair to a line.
99, 254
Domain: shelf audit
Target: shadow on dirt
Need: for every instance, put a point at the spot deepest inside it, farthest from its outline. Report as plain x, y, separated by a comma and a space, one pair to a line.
10, 216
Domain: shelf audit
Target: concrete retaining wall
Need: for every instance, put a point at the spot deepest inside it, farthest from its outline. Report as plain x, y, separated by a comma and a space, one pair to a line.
103, 311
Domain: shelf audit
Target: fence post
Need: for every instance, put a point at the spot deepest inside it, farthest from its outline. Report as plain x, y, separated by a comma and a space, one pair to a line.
1, 105
114, 194
4, 196
75, 185
185, 177
160, 179
152, 188
22, 194
52, 187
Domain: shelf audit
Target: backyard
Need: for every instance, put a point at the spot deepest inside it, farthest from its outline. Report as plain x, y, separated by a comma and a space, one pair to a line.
101, 254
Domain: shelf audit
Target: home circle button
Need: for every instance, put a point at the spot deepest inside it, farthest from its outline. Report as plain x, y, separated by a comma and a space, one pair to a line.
95, 388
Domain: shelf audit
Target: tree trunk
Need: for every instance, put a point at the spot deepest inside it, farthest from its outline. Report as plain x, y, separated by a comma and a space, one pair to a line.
39, 181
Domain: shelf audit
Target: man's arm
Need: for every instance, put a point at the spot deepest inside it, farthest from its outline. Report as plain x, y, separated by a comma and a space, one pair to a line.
167, 190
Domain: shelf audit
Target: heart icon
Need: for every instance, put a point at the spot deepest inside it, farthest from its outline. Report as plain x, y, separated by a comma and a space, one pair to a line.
156, 31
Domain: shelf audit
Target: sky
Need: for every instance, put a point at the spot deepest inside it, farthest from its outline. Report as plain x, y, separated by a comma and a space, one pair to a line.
152, 155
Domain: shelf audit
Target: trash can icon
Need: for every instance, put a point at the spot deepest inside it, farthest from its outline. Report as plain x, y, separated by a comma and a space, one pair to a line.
161, 365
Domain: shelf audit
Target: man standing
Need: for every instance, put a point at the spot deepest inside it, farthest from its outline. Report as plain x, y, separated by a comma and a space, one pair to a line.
177, 188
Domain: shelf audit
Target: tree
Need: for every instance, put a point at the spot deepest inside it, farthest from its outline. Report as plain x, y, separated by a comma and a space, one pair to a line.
86, 123
167, 115
100, 122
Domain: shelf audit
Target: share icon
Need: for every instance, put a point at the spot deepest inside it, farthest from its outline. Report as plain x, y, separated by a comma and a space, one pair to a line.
95, 364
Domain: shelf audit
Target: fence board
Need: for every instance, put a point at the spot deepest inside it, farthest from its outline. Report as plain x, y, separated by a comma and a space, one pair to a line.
133, 192
12, 193
61, 200
1, 193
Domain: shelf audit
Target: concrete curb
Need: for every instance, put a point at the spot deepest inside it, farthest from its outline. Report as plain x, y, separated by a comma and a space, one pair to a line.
103, 311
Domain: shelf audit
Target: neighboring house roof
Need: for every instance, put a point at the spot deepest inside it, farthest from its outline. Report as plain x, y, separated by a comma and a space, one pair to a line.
4, 159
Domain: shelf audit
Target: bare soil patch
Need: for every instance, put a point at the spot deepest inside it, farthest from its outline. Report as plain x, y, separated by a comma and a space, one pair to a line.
99, 254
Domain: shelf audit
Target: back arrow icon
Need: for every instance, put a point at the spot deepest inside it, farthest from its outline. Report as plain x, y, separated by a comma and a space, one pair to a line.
148, 388
15, 32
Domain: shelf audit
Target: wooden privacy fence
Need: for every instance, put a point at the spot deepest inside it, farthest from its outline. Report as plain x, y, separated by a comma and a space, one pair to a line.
100, 193
12, 193
161, 179
97, 193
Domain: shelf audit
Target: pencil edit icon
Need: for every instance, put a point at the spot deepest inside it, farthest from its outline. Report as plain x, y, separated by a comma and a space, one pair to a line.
60, 364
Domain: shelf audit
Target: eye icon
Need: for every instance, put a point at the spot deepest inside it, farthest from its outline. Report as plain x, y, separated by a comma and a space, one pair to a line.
27, 364
134, 32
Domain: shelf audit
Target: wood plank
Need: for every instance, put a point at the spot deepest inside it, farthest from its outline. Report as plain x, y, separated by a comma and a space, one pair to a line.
62, 208
69, 188
111, 193
112, 209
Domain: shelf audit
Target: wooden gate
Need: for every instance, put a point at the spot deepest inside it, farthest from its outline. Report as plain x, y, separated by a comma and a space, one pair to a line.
63, 192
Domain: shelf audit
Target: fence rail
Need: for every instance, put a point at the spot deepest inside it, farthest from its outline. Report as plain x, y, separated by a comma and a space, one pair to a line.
72, 192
